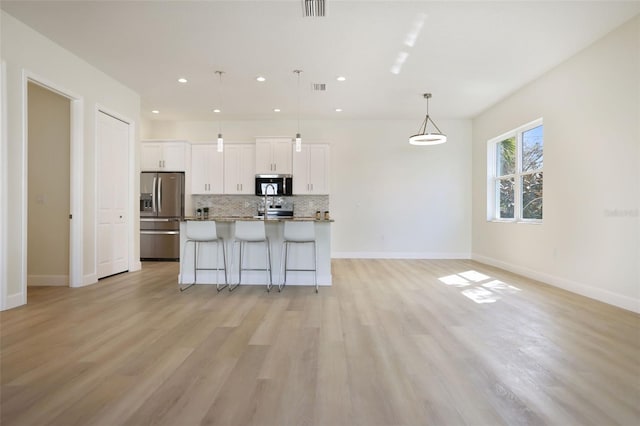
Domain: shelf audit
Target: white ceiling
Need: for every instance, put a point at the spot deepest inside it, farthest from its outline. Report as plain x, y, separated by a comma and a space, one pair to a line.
468, 54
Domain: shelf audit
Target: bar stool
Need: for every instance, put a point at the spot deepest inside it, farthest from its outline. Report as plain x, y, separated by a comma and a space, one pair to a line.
198, 232
299, 233
249, 232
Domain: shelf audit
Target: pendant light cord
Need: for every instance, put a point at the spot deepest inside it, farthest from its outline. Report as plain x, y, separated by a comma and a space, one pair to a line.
298, 88
220, 100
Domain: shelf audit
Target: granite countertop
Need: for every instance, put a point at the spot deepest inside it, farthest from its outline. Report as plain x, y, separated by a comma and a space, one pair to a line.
269, 219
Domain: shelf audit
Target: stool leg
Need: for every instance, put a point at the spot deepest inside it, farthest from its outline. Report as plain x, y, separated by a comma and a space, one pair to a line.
220, 242
224, 264
315, 265
233, 252
240, 255
270, 283
283, 265
286, 261
195, 266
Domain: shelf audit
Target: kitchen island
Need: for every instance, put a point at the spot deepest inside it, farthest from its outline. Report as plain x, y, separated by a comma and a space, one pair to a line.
300, 255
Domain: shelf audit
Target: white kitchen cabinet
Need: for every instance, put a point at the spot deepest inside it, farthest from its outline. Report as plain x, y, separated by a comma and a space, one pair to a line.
311, 170
273, 156
206, 169
239, 168
163, 156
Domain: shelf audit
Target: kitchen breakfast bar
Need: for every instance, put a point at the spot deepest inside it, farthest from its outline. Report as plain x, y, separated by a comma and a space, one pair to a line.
300, 256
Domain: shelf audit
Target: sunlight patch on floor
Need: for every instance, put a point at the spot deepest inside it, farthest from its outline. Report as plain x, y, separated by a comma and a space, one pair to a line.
476, 288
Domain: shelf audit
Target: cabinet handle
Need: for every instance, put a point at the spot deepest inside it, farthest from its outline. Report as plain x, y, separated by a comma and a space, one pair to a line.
159, 163
311, 187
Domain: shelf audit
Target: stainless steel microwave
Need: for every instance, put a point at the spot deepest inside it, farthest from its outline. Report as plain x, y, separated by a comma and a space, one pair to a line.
274, 185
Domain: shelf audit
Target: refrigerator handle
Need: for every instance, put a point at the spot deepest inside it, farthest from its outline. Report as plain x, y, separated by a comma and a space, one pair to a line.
159, 195
153, 195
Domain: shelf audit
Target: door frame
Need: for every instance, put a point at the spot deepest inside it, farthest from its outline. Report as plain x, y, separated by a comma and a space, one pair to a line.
133, 261
76, 186
4, 173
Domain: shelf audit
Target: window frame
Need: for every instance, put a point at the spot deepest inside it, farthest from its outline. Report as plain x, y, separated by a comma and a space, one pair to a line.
493, 196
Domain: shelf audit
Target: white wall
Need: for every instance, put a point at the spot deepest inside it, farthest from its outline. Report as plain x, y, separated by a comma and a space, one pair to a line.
589, 241
27, 52
48, 187
388, 199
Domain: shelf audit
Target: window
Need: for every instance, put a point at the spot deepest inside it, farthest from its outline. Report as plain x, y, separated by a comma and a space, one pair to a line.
515, 174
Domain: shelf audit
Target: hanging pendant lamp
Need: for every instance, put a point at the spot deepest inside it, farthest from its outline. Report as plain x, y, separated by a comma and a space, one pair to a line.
220, 139
298, 137
427, 138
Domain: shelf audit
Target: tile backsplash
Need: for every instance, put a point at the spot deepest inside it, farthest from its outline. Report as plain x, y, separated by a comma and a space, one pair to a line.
247, 205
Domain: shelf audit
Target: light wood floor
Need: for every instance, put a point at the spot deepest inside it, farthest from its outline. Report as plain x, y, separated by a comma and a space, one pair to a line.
393, 342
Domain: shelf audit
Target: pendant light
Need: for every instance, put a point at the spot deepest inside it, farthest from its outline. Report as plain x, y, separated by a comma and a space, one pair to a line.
427, 138
220, 140
298, 137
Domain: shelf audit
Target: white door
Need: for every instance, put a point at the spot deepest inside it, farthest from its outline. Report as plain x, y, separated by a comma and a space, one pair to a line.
113, 187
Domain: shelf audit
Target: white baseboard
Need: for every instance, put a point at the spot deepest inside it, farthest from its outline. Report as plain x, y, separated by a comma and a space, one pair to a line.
397, 255
48, 280
598, 294
135, 266
14, 300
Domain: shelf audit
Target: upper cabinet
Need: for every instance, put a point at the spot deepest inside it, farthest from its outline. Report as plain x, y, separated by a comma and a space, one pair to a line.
239, 169
163, 156
206, 169
273, 156
311, 170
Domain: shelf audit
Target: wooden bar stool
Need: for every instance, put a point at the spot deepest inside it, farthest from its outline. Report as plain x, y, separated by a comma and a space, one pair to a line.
199, 232
299, 233
251, 232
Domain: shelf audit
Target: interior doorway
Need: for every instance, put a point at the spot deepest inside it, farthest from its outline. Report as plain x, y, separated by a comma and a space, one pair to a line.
48, 186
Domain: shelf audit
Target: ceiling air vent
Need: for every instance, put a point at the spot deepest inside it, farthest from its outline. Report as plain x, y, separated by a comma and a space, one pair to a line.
319, 87
313, 7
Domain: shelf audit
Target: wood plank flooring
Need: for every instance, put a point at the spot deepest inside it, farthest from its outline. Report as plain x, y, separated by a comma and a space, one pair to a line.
392, 342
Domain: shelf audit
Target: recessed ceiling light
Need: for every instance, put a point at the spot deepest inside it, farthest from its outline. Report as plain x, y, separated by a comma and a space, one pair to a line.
182, 80
341, 78
338, 109
260, 78
276, 110
155, 111
216, 110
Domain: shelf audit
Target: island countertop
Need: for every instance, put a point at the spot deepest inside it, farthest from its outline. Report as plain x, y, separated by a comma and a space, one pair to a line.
268, 219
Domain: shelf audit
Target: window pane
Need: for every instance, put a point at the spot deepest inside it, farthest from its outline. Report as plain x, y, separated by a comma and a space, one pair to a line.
506, 196
532, 143
532, 196
506, 157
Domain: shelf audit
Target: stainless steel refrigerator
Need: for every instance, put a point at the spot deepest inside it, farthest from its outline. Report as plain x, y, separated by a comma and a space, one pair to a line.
161, 209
